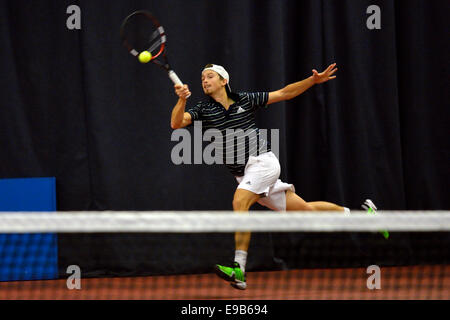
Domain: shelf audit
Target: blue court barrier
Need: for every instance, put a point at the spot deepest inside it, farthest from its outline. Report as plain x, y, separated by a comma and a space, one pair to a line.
28, 256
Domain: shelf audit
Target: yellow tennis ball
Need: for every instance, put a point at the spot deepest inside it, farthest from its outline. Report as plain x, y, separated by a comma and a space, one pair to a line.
145, 56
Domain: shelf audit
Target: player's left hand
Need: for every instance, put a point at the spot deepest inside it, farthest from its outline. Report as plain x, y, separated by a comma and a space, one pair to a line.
325, 75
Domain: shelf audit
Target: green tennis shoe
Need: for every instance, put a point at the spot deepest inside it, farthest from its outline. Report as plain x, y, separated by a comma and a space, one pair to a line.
372, 209
232, 274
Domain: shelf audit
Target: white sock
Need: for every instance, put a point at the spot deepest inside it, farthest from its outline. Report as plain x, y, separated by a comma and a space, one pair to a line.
240, 257
346, 211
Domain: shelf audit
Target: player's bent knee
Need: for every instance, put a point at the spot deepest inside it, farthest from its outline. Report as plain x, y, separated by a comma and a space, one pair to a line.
240, 204
237, 203
242, 201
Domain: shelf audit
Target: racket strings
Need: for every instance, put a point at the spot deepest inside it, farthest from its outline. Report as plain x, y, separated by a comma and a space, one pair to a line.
154, 36
141, 34
157, 42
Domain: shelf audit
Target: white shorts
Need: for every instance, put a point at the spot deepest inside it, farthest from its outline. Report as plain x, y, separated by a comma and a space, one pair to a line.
261, 177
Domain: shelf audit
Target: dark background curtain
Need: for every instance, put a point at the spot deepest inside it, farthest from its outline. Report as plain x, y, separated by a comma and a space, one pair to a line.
75, 105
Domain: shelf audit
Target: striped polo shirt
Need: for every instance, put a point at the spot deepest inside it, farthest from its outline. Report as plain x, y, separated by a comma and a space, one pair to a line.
240, 136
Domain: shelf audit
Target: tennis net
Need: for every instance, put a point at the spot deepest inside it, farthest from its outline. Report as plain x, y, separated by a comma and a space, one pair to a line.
173, 255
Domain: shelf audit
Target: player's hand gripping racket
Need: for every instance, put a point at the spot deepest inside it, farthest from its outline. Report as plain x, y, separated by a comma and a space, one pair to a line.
140, 32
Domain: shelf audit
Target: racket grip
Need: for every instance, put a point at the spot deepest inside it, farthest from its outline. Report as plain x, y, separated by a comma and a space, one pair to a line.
173, 76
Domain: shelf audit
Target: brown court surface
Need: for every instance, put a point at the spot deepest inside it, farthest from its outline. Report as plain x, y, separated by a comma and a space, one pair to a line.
404, 283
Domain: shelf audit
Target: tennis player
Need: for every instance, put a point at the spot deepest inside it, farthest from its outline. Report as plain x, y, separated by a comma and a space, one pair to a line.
258, 175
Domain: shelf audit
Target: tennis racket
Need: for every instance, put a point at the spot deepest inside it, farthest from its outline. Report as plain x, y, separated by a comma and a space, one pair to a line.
141, 31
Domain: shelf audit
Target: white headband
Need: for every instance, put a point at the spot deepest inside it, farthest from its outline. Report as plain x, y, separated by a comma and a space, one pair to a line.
222, 72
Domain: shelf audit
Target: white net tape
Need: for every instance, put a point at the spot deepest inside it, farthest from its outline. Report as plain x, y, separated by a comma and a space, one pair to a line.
221, 221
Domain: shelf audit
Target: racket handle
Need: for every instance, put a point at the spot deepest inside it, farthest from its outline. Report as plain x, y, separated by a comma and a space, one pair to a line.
173, 76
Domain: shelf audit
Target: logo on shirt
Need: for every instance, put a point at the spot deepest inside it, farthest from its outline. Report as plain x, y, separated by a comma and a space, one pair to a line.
248, 182
240, 110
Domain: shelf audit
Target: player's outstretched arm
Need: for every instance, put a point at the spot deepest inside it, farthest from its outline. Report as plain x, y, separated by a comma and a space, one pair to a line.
293, 90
